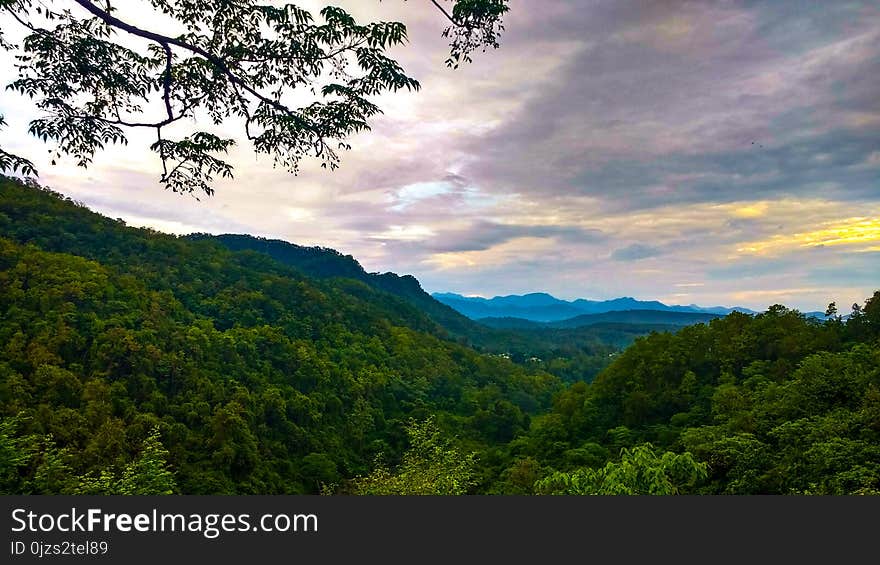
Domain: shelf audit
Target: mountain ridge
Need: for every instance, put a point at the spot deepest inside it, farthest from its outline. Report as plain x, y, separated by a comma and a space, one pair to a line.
543, 307
639, 317
326, 263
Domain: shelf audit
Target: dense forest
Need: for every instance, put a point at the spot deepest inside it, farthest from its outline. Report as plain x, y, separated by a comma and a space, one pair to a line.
568, 351
137, 362
771, 403
257, 378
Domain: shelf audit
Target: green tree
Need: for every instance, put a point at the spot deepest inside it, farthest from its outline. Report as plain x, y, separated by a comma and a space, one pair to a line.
639, 471
831, 311
149, 473
871, 312
93, 72
318, 471
431, 465
14, 456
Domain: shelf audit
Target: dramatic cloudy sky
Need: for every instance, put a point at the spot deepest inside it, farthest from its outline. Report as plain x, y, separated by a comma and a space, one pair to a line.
693, 152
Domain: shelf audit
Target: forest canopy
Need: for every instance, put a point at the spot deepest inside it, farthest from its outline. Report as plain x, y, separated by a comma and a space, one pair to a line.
137, 362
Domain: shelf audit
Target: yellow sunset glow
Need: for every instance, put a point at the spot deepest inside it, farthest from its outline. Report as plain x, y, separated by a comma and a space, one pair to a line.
852, 231
755, 210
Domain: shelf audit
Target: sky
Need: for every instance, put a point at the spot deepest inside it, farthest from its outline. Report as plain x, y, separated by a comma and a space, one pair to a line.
712, 153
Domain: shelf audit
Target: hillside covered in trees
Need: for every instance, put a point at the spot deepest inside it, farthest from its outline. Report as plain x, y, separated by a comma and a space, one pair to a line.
570, 352
772, 403
137, 362
258, 378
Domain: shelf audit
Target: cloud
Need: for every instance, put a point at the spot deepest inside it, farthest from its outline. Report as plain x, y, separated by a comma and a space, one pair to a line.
482, 235
505, 253
635, 252
729, 110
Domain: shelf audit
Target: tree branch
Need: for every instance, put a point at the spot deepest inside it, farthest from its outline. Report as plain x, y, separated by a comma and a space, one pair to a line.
28, 25
166, 82
120, 122
162, 152
445, 13
166, 42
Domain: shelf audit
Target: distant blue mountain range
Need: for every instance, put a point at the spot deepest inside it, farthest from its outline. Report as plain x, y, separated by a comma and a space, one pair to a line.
542, 307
